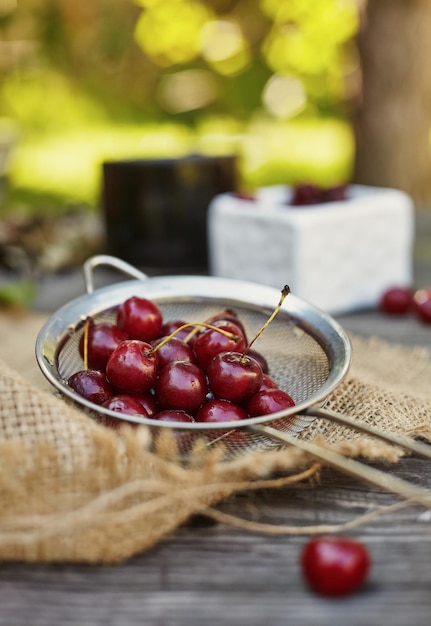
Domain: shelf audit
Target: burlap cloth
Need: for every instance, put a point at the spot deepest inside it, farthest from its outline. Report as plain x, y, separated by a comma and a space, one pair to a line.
73, 490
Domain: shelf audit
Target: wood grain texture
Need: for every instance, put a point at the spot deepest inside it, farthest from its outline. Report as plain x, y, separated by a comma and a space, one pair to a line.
213, 573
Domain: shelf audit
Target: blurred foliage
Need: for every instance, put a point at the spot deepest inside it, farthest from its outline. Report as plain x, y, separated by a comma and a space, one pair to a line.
86, 81
17, 294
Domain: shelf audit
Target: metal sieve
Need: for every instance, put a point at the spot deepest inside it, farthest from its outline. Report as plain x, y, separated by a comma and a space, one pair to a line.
308, 352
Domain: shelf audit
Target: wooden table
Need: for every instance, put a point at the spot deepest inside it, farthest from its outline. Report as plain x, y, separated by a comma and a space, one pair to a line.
208, 573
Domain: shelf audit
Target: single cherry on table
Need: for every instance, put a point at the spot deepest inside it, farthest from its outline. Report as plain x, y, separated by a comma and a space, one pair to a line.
422, 305
396, 300
335, 566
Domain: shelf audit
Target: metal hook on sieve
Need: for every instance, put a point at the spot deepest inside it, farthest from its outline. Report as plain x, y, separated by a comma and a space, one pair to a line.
110, 261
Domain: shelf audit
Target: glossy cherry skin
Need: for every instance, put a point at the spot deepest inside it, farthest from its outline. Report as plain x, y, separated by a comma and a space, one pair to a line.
125, 404
171, 326
269, 401
219, 410
234, 376
132, 367
181, 385
148, 402
139, 318
173, 350
173, 415
211, 342
396, 301
102, 339
422, 305
258, 356
267, 383
228, 316
91, 385
335, 566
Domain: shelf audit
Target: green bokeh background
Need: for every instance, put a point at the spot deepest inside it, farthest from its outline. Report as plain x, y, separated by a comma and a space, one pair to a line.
81, 83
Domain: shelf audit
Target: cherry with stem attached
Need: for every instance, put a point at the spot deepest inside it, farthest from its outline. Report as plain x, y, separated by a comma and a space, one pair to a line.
237, 376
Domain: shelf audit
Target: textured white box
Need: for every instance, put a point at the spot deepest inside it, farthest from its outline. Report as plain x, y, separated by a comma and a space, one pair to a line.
340, 256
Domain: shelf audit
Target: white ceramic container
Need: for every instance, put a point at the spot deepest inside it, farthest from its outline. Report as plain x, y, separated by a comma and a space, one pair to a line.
340, 256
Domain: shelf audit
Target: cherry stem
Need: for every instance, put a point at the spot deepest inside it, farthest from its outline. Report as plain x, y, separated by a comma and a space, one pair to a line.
85, 350
284, 293
193, 325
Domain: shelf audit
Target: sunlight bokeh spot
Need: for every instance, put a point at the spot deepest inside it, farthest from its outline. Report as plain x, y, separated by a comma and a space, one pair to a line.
187, 90
284, 96
221, 39
169, 32
224, 47
7, 6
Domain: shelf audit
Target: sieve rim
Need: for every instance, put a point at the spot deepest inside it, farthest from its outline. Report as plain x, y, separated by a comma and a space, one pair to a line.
231, 292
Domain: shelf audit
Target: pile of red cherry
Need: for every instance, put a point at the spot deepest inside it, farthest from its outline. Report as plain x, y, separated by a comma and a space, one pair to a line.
335, 566
173, 370
399, 301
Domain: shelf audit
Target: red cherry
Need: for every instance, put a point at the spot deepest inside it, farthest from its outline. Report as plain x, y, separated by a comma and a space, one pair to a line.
269, 401
335, 566
171, 326
228, 315
91, 385
304, 194
125, 404
234, 376
102, 339
337, 193
258, 356
173, 350
211, 342
139, 318
220, 410
173, 415
422, 305
181, 385
268, 383
132, 366
148, 401
396, 301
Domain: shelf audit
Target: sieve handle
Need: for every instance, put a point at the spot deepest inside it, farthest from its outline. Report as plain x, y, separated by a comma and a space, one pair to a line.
421, 449
108, 261
350, 466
